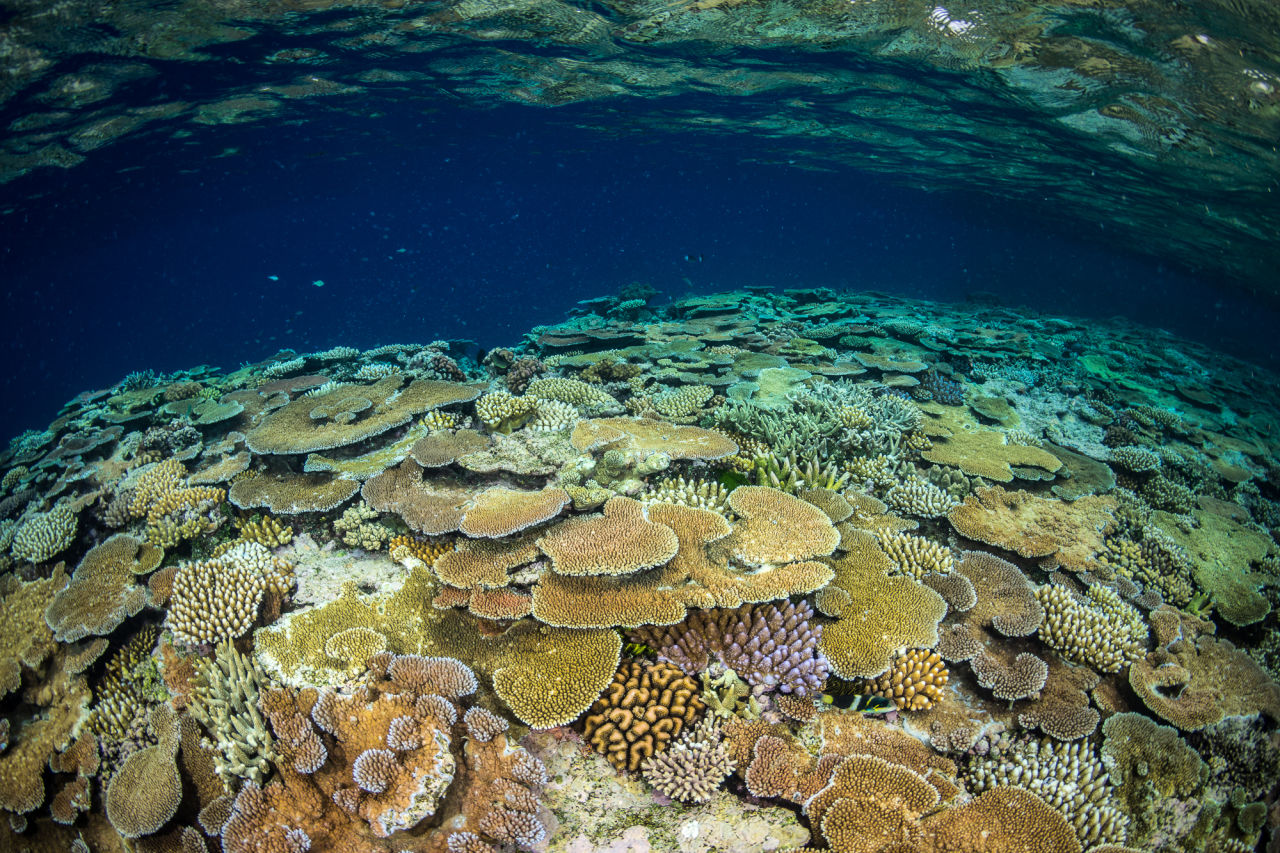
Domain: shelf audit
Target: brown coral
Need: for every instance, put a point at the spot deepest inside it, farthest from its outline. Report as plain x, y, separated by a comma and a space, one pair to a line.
642, 711
431, 507
499, 511
1195, 684
914, 680
619, 542
775, 527
1063, 534
291, 494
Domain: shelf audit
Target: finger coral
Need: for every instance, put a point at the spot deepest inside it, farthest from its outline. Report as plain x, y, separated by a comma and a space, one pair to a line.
44, 535
218, 598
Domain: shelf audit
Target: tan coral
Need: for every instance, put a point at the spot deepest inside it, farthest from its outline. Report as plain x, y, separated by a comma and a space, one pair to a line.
26, 639
643, 435
499, 511
45, 534
443, 447
549, 676
146, 791
1064, 534
351, 413
1193, 684
642, 711
102, 592
218, 598
775, 527
619, 542
1097, 629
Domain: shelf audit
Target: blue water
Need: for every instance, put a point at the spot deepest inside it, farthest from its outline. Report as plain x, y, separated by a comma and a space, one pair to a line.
162, 254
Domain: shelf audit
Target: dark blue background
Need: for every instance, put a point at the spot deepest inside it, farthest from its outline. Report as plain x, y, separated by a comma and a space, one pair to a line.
156, 254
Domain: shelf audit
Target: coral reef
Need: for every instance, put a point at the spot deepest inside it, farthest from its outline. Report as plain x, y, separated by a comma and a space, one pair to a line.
713, 562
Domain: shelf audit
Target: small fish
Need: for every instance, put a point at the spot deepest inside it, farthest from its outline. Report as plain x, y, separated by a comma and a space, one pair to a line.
318, 283
693, 258
274, 277
638, 650
866, 703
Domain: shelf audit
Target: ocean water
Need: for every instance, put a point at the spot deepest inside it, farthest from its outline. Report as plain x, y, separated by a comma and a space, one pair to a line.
891, 252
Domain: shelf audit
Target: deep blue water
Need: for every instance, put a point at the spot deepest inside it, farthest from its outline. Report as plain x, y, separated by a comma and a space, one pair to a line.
160, 254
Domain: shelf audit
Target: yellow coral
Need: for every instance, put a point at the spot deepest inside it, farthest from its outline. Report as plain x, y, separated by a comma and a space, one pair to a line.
619, 542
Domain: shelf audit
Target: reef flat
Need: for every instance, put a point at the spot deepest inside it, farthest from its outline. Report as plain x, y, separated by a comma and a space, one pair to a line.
749, 571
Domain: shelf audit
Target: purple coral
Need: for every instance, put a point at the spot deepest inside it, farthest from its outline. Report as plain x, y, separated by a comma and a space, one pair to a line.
771, 646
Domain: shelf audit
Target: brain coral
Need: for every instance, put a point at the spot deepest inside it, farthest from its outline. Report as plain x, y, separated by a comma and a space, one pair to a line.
102, 592
1063, 534
347, 414
642, 711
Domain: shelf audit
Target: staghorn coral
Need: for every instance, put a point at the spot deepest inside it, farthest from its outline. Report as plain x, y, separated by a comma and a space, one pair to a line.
218, 598
503, 413
642, 711
1065, 535
44, 535
915, 555
588, 398
224, 699
1097, 629
916, 496
704, 494
102, 592
693, 767
358, 527
771, 646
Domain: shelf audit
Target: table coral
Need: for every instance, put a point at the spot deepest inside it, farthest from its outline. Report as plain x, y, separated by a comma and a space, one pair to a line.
775, 527
432, 507
884, 614
349, 413
147, 790
26, 639
1063, 534
442, 447
987, 454
102, 592
291, 494
621, 541
1193, 684
641, 435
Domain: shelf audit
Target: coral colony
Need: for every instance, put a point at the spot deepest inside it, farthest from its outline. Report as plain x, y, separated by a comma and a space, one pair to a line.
746, 572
